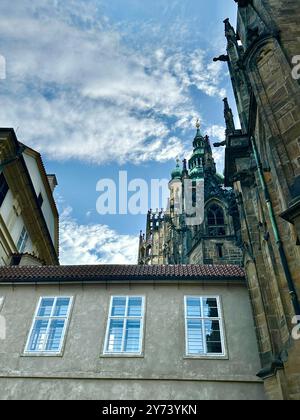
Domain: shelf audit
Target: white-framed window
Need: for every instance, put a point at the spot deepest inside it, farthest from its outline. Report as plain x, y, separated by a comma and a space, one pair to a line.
2, 321
124, 334
204, 326
1, 302
22, 242
49, 325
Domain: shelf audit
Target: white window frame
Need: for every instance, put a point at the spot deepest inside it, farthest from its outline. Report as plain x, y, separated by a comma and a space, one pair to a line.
220, 318
125, 318
22, 246
1, 302
58, 352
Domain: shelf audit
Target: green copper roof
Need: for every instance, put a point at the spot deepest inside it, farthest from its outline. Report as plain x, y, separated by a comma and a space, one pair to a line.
177, 172
197, 172
196, 160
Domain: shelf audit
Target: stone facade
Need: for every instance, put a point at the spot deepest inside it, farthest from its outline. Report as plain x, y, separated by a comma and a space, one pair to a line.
207, 231
263, 166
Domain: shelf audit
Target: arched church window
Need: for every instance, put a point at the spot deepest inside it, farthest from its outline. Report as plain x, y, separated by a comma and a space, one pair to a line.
149, 251
216, 221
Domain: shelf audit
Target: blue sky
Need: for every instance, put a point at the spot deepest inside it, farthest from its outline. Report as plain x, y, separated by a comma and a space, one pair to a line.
99, 86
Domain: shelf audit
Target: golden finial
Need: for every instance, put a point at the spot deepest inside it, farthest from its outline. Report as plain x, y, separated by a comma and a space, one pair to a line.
198, 125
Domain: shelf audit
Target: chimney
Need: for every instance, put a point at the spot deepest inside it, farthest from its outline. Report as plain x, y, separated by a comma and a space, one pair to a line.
52, 182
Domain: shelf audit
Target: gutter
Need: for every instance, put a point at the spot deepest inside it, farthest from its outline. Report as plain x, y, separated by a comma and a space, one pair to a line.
115, 280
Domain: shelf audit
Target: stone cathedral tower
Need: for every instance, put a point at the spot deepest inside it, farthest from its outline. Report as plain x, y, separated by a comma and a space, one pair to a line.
177, 235
262, 164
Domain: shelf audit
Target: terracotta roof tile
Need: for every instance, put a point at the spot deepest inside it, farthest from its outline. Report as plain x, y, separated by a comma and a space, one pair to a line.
120, 272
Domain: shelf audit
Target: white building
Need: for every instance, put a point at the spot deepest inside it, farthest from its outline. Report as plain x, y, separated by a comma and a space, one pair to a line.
28, 214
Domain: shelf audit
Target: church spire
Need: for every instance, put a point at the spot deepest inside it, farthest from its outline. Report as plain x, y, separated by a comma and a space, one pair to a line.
197, 159
202, 158
198, 140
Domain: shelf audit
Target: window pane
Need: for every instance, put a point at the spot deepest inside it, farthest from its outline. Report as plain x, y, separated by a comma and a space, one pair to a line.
132, 339
62, 306
115, 335
214, 348
55, 335
210, 308
135, 306
213, 337
195, 337
118, 307
220, 217
212, 330
38, 336
193, 307
22, 241
211, 218
46, 307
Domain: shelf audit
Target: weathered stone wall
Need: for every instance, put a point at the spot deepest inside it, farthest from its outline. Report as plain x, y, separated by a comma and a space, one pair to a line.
284, 15
207, 252
86, 388
231, 253
269, 32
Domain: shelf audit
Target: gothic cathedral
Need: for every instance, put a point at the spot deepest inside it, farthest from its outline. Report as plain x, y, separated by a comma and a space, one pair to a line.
174, 237
257, 222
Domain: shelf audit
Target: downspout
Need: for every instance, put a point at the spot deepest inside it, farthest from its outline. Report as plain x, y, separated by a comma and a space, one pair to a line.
283, 259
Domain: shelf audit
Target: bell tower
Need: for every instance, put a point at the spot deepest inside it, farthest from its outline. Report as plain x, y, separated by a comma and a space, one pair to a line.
196, 163
197, 227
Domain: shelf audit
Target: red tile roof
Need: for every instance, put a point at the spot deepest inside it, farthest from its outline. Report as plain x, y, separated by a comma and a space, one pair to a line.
120, 272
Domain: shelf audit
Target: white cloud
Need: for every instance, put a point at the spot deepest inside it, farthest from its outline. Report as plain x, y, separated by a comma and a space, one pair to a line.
217, 134
207, 76
195, 69
94, 244
219, 156
77, 92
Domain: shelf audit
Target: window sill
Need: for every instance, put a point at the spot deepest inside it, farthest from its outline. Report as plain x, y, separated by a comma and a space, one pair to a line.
206, 357
42, 354
121, 356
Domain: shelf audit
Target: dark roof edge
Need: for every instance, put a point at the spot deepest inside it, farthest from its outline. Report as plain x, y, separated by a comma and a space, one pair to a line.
128, 280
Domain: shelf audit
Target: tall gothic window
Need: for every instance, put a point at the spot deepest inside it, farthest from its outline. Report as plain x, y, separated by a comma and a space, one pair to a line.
216, 221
